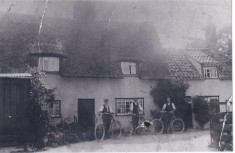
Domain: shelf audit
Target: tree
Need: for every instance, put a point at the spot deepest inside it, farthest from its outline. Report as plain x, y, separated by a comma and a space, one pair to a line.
224, 42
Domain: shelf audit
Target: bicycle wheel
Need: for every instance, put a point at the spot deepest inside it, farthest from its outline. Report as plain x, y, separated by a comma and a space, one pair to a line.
116, 129
99, 131
128, 130
149, 128
158, 126
177, 125
139, 130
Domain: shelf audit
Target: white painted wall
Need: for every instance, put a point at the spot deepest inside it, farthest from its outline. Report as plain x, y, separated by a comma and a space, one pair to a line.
70, 89
210, 87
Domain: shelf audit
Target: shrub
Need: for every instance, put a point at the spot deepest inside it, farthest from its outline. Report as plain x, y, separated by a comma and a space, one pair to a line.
39, 107
201, 110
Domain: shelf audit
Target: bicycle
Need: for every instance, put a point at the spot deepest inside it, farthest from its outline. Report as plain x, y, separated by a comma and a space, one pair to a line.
115, 128
144, 126
176, 124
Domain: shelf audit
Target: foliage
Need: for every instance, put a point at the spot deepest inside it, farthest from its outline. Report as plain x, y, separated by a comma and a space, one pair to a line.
201, 110
40, 106
224, 42
175, 89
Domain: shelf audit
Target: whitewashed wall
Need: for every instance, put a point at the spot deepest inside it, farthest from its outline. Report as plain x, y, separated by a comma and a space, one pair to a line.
70, 89
210, 87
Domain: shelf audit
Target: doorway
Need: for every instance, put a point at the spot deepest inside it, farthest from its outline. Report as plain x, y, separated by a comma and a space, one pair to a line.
86, 118
14, 120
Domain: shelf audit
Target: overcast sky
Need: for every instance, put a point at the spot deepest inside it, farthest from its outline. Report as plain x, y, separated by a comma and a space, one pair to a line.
177, 21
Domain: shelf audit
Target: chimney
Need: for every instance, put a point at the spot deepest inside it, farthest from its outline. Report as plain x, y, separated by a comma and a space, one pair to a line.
210, 33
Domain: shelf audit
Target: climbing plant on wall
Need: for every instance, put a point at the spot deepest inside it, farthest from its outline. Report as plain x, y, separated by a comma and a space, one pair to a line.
40, 95
201, 110
175, 89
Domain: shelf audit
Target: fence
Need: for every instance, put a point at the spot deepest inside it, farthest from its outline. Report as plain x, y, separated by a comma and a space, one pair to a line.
220, 127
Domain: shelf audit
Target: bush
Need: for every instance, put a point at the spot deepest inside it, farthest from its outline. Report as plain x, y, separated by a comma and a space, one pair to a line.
175, 89
40, 96
201, 110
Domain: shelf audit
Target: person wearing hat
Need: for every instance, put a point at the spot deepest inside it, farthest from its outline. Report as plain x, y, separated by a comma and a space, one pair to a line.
135, 109
106, 111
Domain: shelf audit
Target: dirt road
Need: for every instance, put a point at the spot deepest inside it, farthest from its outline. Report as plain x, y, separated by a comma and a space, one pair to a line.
187, 141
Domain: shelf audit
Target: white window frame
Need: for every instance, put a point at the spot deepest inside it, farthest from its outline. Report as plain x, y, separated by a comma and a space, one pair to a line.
208, 98
56, 108
210, 72
129, 68
49, 64
123, 105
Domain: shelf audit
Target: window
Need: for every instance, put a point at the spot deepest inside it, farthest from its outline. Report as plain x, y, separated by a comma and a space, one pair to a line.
211, 98
50, 64
210, 72
129, 68
123, 105
55, 108
214, 103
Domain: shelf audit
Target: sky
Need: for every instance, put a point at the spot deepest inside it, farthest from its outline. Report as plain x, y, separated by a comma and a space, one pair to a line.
177, 22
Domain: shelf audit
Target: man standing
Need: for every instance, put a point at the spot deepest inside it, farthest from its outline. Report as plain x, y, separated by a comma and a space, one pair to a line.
168, 108
135, 109
106, 111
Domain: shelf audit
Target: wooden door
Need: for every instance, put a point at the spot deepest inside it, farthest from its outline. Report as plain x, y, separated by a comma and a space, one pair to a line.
13, 107
86, 112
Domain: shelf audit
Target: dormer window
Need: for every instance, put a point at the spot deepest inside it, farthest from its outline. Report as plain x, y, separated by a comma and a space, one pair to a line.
129, 68
210, 72
49, 64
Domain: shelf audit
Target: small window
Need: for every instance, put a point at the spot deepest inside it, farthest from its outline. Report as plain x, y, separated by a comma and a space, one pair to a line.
56, 108
129, 68
211, 98
49, 64
210, 72
123, 105
214, 103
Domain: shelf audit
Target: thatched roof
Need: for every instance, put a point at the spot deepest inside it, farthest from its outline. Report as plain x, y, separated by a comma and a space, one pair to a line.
95, 49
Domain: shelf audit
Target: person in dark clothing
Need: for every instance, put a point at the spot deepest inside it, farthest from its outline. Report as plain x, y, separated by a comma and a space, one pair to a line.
135, 111
168, 109
106, 111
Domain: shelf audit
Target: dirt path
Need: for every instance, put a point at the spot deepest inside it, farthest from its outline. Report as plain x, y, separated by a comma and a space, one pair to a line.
188, 141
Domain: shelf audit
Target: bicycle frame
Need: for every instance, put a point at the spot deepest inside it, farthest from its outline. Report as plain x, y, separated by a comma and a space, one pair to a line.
112, 119
172, 118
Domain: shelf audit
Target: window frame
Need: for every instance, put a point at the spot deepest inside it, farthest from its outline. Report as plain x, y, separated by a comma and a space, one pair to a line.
41, 64
130, 74
215, 107
205, 74
132, 99
52, 105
